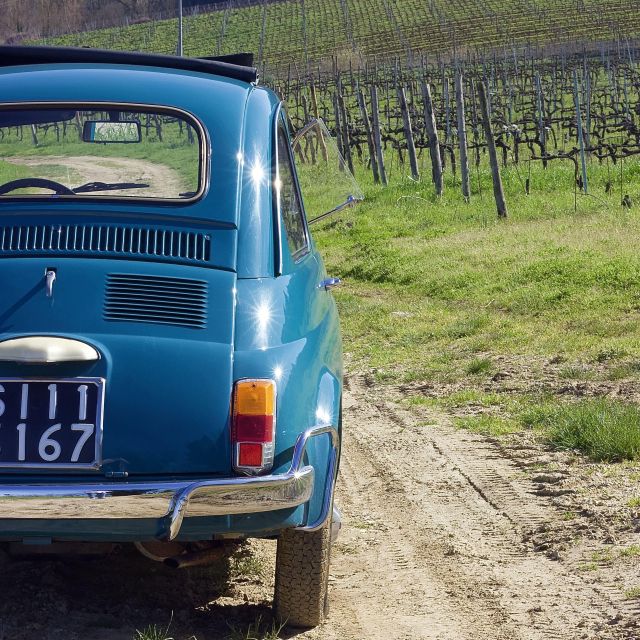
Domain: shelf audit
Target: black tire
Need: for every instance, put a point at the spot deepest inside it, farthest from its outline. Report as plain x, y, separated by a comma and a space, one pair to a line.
302, 576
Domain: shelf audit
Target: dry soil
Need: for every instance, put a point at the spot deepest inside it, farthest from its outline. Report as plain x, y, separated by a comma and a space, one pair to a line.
447, 535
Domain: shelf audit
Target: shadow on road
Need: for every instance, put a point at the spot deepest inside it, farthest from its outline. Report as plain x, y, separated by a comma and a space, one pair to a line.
109, 598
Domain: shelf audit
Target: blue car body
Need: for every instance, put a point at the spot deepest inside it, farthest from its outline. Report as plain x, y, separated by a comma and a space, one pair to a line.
168, 387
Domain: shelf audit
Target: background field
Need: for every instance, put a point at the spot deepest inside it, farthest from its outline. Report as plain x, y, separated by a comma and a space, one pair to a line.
305, 33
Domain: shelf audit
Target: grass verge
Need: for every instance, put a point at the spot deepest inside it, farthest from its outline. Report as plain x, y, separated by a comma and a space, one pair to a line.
606, 430
522, 315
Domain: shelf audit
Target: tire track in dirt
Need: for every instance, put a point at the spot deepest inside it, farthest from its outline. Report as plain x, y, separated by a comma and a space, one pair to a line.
433, 543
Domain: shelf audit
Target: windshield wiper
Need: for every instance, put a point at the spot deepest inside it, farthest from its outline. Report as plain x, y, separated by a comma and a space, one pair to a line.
89, 187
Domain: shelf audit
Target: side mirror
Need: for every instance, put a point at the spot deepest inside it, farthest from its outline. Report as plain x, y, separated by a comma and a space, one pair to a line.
106, 132
326, 183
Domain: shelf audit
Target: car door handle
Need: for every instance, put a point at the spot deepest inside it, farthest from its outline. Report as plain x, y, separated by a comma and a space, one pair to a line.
329, 283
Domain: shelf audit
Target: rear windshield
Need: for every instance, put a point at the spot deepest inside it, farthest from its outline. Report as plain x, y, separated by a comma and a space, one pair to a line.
100, 152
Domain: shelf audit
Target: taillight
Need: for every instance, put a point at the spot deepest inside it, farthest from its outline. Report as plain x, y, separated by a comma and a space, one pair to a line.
253, 428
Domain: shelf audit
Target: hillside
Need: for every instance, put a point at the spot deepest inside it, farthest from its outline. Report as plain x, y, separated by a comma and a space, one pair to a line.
312, 31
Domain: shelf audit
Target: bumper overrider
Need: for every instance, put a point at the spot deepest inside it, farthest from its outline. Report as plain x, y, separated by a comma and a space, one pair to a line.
170, 502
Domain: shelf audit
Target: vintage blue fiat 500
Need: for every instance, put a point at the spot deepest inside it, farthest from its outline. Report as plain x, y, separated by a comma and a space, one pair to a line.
170, 357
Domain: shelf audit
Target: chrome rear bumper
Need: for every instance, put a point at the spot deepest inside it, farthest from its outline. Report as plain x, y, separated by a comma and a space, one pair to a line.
170, 502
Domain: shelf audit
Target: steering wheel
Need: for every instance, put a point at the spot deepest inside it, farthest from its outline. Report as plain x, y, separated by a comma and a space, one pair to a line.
41, 183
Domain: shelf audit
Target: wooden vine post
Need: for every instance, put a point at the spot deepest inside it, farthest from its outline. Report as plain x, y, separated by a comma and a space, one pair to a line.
462, 137
337, 116
542, 132
583, 161
498, 191
344, 118
370, 143
377, 136
432, 133
316, 115
408, 134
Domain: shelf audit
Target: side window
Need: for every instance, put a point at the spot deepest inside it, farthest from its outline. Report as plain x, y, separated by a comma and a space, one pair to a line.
289, 198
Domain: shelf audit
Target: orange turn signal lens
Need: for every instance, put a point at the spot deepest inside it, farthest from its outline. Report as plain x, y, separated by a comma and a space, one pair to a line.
255, 398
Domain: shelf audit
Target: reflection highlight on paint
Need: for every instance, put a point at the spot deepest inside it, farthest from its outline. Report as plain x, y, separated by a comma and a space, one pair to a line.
262, 315
323, 417
258, 172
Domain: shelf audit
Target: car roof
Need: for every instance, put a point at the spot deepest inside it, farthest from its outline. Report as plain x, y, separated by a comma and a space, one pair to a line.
237, 117
237, 66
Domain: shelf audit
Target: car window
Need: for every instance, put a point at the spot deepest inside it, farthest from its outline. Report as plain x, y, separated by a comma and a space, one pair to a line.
114, 151
289, 198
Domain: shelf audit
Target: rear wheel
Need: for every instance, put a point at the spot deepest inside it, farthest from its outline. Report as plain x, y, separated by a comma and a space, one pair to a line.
302, 576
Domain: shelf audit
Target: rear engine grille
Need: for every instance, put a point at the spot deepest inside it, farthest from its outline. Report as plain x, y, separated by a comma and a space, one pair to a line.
141, 242
156, 299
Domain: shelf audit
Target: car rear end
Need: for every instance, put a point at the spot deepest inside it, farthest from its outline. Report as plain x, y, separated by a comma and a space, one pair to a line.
118, 309
150, 392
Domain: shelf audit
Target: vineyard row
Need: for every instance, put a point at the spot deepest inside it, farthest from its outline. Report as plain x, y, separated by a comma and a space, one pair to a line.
579, 108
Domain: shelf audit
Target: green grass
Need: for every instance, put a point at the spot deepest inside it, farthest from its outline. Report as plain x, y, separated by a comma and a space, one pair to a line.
488, 425
432, 285
479, 366
247, 566
632, 551
440, 291
632, 593
606, 430
603, 429
602, 556
257, 630
10, 171
154, 632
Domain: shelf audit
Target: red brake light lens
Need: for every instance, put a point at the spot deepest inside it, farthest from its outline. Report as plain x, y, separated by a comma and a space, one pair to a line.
249, 455
253, 428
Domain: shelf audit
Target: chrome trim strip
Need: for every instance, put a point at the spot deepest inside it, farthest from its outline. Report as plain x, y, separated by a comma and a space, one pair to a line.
171, 501
281, 118
332, 473
167, 502
275, 196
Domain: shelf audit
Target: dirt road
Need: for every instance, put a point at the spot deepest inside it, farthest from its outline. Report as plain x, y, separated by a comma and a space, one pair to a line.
435, 542
163, 181
446, 536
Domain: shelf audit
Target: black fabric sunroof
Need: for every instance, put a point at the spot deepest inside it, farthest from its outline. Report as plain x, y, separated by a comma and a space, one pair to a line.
13, 55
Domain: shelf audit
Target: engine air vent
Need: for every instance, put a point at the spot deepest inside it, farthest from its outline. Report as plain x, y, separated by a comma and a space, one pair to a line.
156, 299
112, 240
